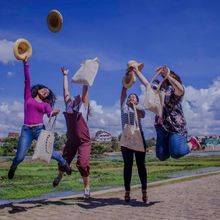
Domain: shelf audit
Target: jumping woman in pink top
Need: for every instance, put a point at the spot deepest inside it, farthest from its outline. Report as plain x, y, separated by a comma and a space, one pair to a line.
38, 101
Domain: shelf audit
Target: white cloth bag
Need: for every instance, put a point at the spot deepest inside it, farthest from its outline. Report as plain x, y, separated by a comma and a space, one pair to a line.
154, 98
131, 136
87, 72
44, 146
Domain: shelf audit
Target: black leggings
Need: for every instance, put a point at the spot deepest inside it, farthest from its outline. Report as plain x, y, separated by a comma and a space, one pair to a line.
128, 157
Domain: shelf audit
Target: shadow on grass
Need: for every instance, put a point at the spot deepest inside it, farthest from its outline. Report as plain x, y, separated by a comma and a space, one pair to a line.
91, 203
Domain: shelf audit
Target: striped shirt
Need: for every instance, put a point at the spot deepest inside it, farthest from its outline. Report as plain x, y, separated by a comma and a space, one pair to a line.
125, 111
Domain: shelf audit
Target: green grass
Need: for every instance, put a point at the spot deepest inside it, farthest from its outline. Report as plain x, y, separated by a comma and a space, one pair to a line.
34, 179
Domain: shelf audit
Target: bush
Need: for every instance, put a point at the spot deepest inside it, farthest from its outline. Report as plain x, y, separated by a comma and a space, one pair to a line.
115, 144
8, 147
98, 149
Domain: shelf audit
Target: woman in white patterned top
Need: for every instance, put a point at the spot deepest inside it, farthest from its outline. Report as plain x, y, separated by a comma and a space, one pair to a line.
78, 138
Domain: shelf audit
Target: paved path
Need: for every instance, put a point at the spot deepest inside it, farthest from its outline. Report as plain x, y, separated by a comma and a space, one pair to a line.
197, 199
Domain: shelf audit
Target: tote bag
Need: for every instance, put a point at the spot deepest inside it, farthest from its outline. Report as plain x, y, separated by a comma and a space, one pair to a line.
131, 136
44, 146
154, 98
87, 72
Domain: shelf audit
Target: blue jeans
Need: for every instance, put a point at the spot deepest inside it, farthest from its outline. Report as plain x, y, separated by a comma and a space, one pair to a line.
28, 134
170, 144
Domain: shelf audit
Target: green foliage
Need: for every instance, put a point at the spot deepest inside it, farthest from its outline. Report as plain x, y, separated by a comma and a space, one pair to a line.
115, 144
9, 145
100, 148
59, 141
151, 142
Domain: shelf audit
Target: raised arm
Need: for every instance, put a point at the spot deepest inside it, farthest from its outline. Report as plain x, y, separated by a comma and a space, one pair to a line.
123, 95
85, 95
27, 83
178, 87
66, 94
140, 76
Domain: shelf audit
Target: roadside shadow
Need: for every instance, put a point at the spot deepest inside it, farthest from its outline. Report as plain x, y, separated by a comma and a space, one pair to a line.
93, 203
26, 205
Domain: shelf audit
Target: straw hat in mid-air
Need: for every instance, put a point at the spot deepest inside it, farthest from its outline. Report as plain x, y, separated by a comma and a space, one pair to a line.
54, 20
22, 49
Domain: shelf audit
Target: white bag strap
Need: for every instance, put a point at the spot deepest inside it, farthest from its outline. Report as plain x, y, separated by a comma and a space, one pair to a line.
156, 75
51, 124
136, 123
129, 122
135, 117
96, 59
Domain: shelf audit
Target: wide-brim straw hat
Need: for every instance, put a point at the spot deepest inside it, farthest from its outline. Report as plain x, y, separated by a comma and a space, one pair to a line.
132, 63
54, 20
129, 79
22, 49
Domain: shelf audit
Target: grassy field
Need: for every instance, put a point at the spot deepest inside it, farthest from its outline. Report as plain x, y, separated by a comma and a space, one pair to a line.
34, 179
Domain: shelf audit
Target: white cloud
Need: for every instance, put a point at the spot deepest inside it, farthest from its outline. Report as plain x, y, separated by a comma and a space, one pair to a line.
10, 74
201, 108
11, 117
4, 108
201, 111
6, 51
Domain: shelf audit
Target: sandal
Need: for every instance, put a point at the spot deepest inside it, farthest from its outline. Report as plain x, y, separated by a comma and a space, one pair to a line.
144, 196
127, 196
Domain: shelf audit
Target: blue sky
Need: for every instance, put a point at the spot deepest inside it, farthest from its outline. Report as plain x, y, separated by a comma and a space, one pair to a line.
183, 34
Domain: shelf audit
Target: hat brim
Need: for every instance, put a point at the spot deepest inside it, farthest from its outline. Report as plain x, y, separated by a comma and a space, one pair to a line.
140, 66
54, 21
22, 49
128, 81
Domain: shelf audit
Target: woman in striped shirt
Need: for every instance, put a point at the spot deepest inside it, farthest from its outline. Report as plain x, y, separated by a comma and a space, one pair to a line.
127, 117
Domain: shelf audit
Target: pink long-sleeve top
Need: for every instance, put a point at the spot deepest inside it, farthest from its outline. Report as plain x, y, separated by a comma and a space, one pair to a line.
33, 110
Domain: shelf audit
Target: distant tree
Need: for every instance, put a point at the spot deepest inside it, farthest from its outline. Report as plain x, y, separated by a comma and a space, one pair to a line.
119, 137
31, 149
59, 141
98, 148
115, 144
151, 142
9, 146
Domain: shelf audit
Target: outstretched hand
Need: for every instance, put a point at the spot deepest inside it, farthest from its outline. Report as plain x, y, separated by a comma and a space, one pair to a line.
55, 112
163, 70
25, 59
135, 68
64, 71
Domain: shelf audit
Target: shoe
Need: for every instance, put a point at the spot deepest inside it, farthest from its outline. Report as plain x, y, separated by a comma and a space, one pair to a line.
56, 181
11, 173
86, 193
144, 196
67, 169
195, 144
127, 196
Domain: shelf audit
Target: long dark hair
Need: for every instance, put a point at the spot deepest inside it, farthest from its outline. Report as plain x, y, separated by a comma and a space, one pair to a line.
50, 99
166, 83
